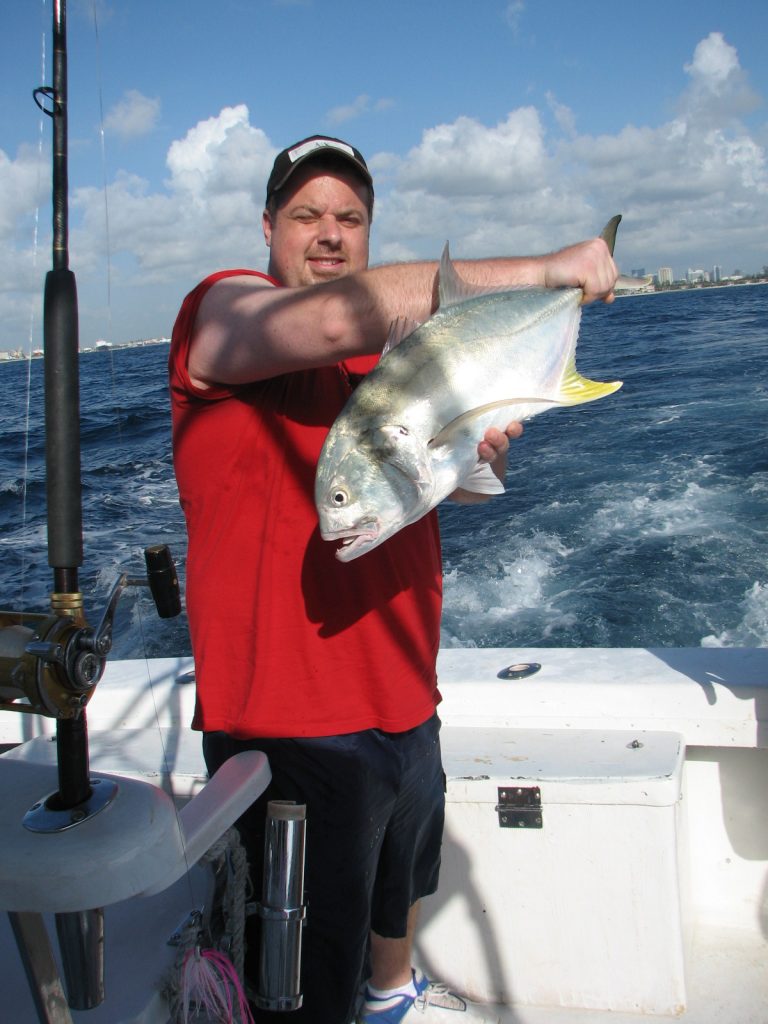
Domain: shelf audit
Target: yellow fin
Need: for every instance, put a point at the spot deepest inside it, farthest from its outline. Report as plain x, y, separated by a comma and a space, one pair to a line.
575, 389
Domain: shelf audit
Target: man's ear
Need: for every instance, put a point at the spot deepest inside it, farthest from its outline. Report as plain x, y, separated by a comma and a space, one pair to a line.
266, 227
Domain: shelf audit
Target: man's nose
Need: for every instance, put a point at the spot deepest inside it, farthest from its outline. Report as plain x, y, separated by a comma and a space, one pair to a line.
329, 231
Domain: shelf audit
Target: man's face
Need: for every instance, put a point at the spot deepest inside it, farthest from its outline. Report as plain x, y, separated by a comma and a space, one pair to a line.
321, 230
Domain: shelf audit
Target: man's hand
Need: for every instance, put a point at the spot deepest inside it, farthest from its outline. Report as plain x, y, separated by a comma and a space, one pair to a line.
587, 265
495, 445
493, 450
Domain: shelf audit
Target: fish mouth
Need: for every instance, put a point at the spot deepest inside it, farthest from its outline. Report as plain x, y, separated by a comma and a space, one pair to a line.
354, 542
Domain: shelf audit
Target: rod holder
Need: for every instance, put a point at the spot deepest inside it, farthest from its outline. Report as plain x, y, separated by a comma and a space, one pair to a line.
81, 944
282, 909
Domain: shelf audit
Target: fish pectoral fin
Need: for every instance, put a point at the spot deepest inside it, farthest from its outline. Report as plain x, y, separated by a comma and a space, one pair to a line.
465, 423
398, 447
631, 284
482, 480
575, 389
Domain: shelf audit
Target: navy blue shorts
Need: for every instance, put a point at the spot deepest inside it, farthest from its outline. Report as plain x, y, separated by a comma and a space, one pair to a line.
375, 808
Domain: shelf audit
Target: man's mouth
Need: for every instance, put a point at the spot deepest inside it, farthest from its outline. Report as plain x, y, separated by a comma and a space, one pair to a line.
329, 263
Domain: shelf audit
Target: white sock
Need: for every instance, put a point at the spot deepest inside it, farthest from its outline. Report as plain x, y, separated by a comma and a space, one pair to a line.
409, 989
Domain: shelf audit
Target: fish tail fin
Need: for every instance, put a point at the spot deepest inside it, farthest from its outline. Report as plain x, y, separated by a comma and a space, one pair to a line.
575, 389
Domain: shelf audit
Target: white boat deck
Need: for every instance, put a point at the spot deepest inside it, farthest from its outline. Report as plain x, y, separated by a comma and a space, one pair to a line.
711, 811
714, 696
727, 984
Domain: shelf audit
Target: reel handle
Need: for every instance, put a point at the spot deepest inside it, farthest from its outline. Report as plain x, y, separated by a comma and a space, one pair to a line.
163, 581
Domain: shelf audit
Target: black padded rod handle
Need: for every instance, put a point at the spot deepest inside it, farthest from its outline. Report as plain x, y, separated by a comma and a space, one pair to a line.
163, 581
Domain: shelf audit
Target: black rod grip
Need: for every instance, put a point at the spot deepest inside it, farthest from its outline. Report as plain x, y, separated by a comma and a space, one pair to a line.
163, 581
62, 420
72, 758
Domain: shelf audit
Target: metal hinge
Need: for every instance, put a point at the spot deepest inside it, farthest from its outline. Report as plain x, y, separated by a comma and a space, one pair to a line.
519, 807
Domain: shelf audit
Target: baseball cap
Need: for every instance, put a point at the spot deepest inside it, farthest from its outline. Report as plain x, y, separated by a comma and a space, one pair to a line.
289, 159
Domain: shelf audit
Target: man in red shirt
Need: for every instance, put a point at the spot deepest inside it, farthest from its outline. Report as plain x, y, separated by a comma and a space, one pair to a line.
328, 667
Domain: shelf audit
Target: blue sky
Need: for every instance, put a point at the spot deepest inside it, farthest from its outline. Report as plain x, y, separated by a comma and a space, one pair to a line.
507, 126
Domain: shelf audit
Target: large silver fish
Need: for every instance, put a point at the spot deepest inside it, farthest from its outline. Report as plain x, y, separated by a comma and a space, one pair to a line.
408, 436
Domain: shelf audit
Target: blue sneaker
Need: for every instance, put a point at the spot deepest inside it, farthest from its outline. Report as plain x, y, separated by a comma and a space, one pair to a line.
432, 1004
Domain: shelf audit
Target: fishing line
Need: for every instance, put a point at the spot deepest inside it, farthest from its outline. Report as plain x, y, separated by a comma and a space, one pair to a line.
108, 242
33, 323
166, 767
117, 409
107, 234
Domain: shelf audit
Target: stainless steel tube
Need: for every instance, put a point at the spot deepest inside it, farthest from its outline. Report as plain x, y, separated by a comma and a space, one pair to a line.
281, 909
81, 944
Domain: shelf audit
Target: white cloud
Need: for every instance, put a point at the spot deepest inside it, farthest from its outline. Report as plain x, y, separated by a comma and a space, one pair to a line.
563, 115
337, 115
714, 62
362, 104
718, 90
513, 14
133, 116
218, 153
22, 181
694, 188
468, 158
209, 213
489, 190
25, 253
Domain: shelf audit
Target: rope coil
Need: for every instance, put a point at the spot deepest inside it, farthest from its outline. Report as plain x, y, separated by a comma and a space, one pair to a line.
206, 981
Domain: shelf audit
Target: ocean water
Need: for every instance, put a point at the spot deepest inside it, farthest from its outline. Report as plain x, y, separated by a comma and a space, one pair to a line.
636, 521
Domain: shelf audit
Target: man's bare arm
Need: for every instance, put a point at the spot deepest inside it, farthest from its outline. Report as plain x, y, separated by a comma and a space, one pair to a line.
246, 330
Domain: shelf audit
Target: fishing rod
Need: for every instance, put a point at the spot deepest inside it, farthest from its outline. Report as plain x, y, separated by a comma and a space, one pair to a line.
50, 663
71, 654
62, 431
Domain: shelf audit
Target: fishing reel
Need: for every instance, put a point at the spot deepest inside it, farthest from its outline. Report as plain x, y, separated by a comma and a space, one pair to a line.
50, 664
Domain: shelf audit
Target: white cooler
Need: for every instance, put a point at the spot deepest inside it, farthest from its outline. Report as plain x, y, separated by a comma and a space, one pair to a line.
560, 883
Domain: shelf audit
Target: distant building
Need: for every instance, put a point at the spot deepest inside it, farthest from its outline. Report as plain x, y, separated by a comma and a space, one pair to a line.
665, 275
717, 274
638, 272
697, 276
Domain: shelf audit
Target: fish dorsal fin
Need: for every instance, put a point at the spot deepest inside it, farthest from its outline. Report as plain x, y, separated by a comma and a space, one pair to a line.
467, 419
608, 234
575, 389
452, 289
623, 283
400, 328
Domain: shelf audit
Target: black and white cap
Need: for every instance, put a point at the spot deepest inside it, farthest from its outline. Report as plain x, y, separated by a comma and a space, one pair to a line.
287, 161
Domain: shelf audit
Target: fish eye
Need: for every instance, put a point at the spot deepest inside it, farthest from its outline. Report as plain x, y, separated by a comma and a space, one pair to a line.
339, 498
